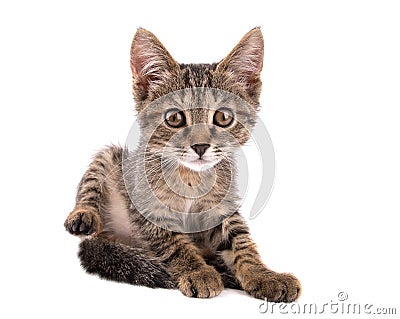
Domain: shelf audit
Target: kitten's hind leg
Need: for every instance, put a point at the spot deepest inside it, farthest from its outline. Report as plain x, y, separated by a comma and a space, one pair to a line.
118, 262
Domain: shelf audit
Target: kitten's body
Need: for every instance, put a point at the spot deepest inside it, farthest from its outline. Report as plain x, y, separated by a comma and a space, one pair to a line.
139, 230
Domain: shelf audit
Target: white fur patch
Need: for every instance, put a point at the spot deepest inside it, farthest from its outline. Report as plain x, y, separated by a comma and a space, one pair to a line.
192, 161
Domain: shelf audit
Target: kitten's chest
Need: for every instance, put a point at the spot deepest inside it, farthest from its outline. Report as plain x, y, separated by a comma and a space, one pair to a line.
182, 204
190, 192
188, 203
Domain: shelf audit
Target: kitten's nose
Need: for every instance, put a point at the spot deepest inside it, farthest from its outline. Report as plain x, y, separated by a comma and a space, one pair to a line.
200, 149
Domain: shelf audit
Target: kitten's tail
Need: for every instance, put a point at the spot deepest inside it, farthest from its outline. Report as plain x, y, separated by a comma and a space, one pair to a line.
118, 262
122, 263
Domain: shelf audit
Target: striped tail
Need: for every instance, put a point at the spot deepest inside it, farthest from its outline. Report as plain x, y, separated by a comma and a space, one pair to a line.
118, 262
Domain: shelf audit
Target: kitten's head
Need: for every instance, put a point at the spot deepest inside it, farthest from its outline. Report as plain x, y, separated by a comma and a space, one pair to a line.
196, 114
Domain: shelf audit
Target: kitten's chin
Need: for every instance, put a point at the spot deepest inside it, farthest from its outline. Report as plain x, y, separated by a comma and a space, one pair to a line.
199, 164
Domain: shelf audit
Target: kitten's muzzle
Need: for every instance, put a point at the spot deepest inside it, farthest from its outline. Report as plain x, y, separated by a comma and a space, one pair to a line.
200, 149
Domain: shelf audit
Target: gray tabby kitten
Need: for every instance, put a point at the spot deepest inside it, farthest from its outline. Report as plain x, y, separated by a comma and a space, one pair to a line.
166, 214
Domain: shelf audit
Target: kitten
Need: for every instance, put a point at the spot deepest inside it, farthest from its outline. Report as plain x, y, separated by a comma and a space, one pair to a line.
166, 214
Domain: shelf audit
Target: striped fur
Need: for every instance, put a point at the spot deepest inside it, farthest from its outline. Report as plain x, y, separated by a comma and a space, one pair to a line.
120, 244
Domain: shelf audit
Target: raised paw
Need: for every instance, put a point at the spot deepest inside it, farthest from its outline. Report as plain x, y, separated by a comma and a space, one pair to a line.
274, 286
83, 222
203, 283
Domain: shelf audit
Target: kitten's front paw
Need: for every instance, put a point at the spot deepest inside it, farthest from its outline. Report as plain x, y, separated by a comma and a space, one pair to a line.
274, 286
203, 283
83, 222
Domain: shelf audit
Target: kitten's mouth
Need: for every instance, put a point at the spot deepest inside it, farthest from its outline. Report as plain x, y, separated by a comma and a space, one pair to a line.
199, 164
201, 161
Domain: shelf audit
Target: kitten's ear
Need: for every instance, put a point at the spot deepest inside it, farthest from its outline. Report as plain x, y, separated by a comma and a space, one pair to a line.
244, 63
151, 63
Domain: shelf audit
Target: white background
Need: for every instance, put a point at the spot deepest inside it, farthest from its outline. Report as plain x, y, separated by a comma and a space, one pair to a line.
330, 102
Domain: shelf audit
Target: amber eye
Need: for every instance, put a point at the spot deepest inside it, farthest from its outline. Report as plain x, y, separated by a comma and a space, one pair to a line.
175, 118
223, 117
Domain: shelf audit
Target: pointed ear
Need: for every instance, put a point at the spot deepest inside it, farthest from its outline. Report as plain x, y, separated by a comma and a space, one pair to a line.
151, 63
244, 63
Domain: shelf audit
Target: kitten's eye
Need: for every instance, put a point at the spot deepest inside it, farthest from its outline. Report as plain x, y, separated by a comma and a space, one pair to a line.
223, 117
175, 118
